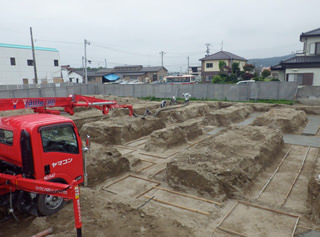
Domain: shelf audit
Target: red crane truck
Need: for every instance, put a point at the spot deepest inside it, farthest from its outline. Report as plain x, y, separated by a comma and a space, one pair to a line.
41, 155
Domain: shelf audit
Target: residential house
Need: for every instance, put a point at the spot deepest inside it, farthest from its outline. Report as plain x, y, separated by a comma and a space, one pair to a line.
304, 67
195, 71
17, 65
69, 75
93, 75
210, 64
135, 72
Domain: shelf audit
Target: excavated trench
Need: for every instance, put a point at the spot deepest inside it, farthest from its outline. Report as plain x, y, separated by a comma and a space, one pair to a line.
221, 166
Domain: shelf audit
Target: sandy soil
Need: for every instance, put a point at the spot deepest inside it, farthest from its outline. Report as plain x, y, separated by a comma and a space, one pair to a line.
171, 174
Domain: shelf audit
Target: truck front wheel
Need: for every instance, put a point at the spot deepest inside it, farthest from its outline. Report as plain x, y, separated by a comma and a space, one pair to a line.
49, 204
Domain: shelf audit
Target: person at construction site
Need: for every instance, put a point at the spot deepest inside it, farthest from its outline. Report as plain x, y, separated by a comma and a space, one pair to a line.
186, 97
163, 104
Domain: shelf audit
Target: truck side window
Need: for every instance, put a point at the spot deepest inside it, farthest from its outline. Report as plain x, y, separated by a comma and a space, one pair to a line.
59, 139
6, 137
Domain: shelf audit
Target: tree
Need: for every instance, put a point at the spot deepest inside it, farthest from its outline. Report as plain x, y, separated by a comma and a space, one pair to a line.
235, 69
217, 79
265, 73
248, 67
222, 65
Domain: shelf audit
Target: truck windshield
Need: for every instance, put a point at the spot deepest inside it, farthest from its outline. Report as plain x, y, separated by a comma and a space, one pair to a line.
59, 139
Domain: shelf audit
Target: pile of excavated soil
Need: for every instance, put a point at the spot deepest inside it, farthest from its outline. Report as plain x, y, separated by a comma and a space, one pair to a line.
314, 192
173, 136
314, 197
227, 163
103, 163
286, 119
182, 113
227, 116
118, 130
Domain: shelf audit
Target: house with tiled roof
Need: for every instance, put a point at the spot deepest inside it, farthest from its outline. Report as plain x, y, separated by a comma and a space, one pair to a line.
135, 72
304, 67
210, 64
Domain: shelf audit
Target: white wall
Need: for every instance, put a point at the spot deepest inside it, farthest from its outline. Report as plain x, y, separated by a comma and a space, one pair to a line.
15, 74
74, 76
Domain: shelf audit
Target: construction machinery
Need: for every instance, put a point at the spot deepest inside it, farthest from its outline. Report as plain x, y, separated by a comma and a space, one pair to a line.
41, 155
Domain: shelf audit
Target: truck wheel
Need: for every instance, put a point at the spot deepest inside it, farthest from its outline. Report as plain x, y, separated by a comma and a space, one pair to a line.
49, 204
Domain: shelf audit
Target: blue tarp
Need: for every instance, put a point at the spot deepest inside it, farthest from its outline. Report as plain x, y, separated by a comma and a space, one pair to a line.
111, 77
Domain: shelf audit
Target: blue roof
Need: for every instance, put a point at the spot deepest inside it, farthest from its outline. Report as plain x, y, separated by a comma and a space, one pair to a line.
111, 77
27, 47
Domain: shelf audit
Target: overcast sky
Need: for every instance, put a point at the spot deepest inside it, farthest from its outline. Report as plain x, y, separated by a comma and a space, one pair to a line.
136, 31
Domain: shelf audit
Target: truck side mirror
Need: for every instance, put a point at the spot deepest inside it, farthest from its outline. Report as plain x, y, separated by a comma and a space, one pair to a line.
87, 148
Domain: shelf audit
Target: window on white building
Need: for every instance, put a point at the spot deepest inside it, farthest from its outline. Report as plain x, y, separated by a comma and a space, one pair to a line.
30, 62
56, 62
318, 48
312, 48
13, 61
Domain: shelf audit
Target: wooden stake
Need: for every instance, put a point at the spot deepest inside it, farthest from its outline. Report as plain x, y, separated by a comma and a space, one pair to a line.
145, 154
189, 196
145, 192
125, 147
274, 173
231, 231
295, 227
178, 206
44, 233
268, 209
107, 186
295, 180
227, 214
149, 180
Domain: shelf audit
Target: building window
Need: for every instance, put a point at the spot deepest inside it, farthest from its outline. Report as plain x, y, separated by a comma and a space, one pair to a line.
318, 48
56, 63
30, 62
209, 65
13, 61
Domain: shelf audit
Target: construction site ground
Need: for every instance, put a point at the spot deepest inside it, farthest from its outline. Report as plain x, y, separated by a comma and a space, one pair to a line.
202, 169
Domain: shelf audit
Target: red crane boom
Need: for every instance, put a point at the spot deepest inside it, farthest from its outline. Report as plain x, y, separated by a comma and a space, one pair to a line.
41, 104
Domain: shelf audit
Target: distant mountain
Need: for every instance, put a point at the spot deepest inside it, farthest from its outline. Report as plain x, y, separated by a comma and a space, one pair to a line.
267, 62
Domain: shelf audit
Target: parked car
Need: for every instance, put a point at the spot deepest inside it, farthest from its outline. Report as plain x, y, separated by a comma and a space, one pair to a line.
245, 82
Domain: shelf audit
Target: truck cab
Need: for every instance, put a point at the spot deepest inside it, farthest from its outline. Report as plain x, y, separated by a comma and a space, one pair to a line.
43, 147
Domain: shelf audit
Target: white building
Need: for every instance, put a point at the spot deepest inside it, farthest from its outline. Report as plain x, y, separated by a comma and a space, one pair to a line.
16, 65
304, 67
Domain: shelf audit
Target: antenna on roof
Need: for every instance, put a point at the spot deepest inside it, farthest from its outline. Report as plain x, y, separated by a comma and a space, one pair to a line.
222, 45
208, 49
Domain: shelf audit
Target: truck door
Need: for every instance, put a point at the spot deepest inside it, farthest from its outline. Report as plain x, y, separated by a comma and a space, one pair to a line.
61, 153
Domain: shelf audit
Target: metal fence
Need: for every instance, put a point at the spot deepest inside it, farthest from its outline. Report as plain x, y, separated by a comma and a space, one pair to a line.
253, 91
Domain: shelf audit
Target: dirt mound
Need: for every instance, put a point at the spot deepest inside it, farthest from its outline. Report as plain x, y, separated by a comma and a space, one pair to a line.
286, 119
182, 113
104, 162
120, 130
167, 138
227, 116
313, 198
227, 163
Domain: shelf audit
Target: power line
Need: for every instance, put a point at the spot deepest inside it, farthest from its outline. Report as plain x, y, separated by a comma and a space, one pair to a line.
55, 41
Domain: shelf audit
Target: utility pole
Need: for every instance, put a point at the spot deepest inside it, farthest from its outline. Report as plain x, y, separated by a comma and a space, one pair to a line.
162, 53
34, 59
208, 49
85, 61
188, 65
105, 63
